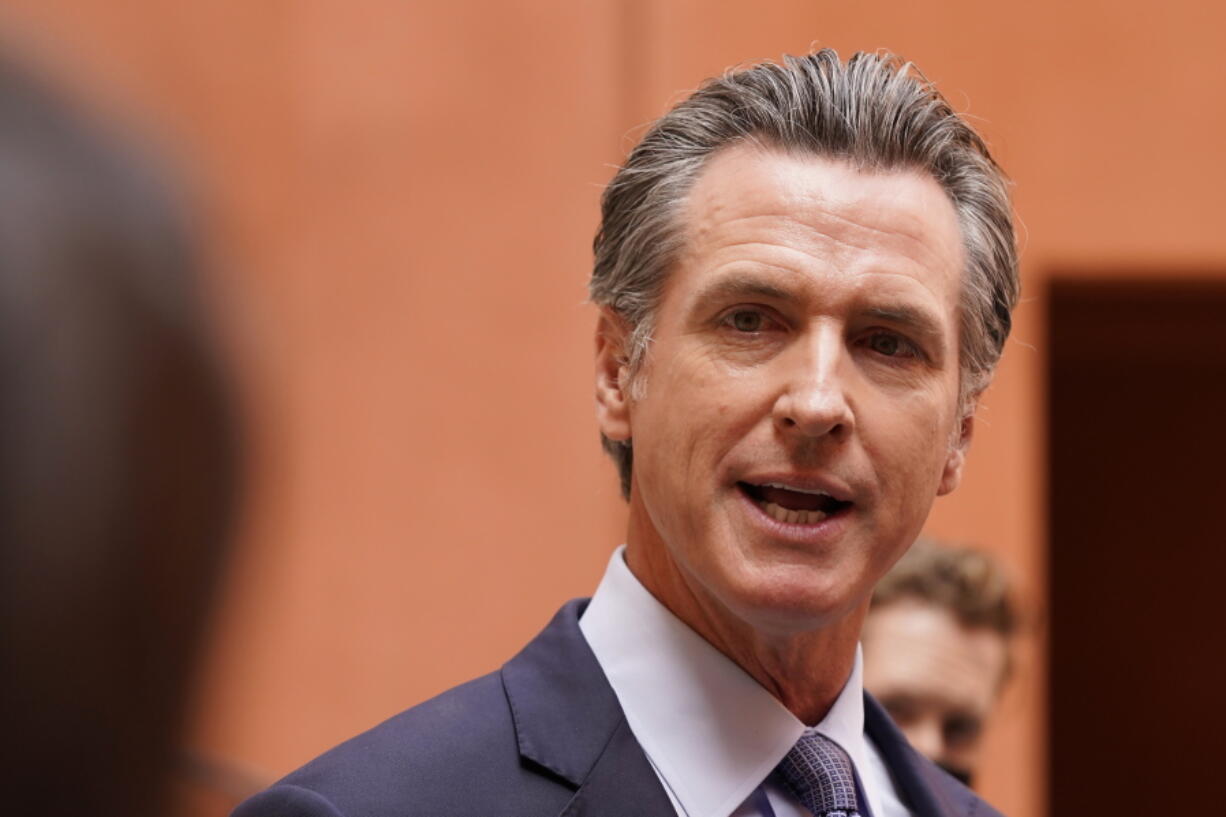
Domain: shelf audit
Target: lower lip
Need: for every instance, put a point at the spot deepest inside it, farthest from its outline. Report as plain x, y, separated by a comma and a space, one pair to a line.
828, 529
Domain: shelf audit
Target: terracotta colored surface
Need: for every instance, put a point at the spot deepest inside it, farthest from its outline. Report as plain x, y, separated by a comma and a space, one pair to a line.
403, 197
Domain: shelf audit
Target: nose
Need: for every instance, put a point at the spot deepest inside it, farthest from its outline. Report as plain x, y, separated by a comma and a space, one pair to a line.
813, 401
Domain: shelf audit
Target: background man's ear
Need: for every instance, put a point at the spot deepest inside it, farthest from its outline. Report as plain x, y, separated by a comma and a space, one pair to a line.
612, 376
952, 474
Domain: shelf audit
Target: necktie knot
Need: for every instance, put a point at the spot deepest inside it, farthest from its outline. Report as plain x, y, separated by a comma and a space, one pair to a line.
819, 773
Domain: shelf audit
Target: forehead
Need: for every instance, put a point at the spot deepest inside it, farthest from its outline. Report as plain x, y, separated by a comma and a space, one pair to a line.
914, 644
808, 212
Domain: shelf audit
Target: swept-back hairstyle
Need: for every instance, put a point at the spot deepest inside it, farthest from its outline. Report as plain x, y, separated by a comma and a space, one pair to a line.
875, 111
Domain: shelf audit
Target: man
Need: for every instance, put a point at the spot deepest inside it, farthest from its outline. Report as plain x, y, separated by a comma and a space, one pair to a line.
805, 275
936, 650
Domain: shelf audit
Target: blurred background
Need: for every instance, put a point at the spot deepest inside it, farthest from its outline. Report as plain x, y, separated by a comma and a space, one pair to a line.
396, 200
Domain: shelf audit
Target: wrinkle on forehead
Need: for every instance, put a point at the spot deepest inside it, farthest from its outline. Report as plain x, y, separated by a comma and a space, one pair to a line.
833, 255
820, 221
784, 193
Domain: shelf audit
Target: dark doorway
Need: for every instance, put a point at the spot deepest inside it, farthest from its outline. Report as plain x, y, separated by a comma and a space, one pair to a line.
1138, 548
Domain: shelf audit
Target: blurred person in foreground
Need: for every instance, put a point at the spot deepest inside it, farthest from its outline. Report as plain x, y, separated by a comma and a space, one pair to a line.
117, 461
937, 645
805, 275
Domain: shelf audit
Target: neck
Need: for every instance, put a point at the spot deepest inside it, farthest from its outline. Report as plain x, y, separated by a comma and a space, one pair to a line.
804, 666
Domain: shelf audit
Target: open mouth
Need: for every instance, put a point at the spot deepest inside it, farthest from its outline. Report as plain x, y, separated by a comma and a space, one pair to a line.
793, 506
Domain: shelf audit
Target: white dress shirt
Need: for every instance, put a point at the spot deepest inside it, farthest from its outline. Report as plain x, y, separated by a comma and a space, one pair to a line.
710, 731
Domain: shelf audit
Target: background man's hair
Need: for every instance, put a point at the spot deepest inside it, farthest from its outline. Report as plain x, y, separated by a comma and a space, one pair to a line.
874, 111
968, 583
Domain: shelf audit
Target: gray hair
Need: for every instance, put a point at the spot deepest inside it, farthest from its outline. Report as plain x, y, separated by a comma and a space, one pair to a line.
875, 111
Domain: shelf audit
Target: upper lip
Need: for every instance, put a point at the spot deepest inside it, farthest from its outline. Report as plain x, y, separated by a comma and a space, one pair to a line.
806, 483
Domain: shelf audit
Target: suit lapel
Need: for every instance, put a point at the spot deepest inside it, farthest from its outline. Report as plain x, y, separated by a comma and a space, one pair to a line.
569, 725
926, 790
622, 782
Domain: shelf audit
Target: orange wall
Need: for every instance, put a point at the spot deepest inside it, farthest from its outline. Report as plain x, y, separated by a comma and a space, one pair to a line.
402, 200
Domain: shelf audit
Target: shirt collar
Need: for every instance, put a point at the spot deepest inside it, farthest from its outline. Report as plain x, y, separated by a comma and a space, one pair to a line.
711, 731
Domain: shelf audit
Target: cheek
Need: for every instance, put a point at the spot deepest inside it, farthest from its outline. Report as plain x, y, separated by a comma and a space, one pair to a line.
911, 441
701, 411
672, 439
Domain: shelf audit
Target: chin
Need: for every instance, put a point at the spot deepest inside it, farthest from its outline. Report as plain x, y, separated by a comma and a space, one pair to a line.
787, 599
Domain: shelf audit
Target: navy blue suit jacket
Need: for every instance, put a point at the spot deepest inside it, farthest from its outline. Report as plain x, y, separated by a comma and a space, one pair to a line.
543, 737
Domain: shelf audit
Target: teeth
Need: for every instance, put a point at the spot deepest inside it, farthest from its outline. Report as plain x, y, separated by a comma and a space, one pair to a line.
793, 488
782, 514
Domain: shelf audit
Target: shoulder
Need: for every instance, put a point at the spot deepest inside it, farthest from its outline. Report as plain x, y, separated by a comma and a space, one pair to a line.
934, 790
454, 754
958, 800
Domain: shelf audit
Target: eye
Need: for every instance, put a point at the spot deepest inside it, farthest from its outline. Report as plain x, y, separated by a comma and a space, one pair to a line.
904, 710
889, 344
746, 320
961, 729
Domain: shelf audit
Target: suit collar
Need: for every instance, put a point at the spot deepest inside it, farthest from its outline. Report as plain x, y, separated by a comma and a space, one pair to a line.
621, 782
568, 722
711, 731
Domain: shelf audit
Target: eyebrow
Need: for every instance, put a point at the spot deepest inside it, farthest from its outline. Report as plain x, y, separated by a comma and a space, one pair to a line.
735, 286
738, 286
920, 321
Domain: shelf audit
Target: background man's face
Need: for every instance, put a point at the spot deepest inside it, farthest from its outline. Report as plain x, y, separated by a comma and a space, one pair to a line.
807, 341
938, 679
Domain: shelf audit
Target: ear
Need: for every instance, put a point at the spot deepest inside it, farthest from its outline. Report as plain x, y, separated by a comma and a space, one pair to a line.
951, 475
612, 376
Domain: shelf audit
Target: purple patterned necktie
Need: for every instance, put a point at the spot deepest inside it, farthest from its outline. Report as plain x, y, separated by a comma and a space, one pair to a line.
819, 773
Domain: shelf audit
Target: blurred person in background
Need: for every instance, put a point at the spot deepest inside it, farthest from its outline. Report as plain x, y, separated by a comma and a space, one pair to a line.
117, 463
937, 649
805, 274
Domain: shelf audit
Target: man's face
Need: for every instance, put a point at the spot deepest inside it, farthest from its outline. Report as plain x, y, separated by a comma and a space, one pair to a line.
798, 412
937, 678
